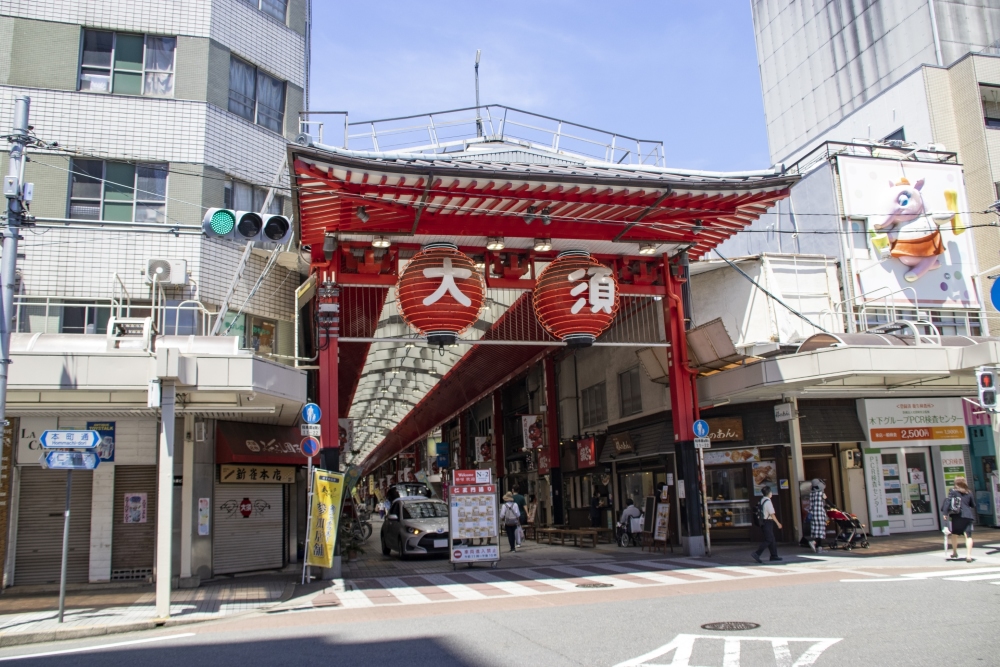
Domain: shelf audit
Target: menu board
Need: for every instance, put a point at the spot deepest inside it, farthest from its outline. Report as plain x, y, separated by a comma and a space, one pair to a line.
662, 530
473, 515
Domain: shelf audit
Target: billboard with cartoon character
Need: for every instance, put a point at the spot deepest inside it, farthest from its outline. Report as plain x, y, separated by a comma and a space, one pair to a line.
918, 245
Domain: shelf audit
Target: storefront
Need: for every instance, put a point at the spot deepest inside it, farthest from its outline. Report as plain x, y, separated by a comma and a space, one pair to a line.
257, 469
915, 449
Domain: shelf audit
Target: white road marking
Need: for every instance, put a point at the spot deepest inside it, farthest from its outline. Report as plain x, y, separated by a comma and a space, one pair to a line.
402, 591
977, 577
596, 578
682, 647
96, 648
459, 591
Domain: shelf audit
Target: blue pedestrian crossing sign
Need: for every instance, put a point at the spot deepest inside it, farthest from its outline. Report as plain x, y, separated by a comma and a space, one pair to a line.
311, 413
700, 428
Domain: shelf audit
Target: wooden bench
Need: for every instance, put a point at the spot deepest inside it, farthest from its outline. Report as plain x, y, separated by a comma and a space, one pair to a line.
582, 537
604, 535
529, 531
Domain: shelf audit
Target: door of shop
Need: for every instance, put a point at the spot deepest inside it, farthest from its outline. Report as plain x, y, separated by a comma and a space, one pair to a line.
42, 504
909, 489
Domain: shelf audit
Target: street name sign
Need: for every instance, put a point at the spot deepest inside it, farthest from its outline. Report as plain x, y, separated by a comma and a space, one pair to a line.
70, 439
66, 460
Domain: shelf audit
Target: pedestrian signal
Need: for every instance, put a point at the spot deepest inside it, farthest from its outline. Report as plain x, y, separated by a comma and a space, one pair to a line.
986, 381
246, 226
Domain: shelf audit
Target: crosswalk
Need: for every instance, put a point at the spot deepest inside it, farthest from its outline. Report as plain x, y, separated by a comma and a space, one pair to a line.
967, 574
482, 584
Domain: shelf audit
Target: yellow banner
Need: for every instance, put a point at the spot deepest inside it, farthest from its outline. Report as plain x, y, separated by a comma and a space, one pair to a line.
328, 494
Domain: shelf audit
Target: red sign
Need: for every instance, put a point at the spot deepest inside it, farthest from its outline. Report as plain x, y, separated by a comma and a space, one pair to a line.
576, 297
472, 490
544, 465
586, 453
460, 477
441, 290
246, 508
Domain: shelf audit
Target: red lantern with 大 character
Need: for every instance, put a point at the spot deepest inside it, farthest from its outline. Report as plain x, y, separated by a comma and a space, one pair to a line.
576, 298
440, 293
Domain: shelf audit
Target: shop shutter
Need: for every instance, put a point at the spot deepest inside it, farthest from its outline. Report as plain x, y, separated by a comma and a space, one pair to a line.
42, 500
133, 545
248, 543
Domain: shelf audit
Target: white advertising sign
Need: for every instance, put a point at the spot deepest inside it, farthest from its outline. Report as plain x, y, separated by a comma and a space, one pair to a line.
473, 516
913, 422
878, 511
918, 241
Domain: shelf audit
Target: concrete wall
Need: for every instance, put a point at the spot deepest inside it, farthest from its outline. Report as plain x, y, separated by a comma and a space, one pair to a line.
42, 54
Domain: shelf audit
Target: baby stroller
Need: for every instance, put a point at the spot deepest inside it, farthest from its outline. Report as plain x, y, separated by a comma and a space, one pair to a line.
850, 532
629, 534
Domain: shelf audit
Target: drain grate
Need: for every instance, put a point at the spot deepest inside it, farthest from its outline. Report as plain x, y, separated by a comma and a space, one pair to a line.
595, 585
730, 626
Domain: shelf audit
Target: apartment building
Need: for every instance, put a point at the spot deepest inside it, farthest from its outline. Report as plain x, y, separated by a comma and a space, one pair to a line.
160, 111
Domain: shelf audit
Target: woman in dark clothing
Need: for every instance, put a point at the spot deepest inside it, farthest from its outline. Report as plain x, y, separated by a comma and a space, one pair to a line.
963, 519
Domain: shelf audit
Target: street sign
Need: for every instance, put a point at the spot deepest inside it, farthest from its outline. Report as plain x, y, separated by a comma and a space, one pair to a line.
700, 428
310, 429
783, 412
465, 477
70, 439
309, 446
63, 460
311, 413
702, 443
995, 293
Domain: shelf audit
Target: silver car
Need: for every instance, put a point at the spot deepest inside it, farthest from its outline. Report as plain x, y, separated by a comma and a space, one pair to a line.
415, 525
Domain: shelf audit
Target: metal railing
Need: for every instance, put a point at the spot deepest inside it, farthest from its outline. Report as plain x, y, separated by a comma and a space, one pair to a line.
457, 130
87, 315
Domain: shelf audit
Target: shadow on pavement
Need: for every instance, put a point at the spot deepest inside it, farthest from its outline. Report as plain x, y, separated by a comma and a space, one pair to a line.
428, 651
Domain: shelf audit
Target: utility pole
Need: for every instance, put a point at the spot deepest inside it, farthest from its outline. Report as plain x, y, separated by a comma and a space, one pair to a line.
17, 195
479, 120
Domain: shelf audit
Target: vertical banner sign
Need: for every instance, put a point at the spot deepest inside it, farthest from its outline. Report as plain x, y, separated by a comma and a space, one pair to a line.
346, 435
952, 465
484, 449
878, 512
106, 448
531, 431
328, 493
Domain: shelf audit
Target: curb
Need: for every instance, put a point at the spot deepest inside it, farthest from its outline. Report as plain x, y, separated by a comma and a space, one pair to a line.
24, 638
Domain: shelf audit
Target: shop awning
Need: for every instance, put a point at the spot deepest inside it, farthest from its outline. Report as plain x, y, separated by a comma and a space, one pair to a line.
238, 442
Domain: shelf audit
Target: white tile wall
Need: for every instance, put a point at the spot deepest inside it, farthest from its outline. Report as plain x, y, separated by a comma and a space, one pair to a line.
260, 39
135, 439
101, 522
243, 149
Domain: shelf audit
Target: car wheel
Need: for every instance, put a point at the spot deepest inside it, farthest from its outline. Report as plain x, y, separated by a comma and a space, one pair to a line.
385, 550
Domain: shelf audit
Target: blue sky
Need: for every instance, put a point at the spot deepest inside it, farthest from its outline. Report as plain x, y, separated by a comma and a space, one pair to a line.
683, 71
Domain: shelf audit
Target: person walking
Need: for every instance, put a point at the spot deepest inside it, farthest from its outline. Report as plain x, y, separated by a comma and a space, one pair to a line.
817, 515
768, 521
510, 519
960, 509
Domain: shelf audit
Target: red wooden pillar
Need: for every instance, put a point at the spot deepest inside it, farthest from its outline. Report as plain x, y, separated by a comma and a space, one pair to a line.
552, 431
683, 399
328, 312
498, 452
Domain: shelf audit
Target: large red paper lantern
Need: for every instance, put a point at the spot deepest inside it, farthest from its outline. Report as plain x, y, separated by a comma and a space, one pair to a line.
576, 298
440, 293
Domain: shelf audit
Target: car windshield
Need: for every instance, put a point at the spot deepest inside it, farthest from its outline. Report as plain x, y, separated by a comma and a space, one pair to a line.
427, 510
411, 489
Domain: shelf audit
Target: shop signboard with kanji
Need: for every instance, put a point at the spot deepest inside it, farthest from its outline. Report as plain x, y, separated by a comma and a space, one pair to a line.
472, 521
913, 422
237, 473
324, 515
586, 454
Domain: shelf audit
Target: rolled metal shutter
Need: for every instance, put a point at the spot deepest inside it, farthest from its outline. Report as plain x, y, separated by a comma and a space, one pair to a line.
248, 543
133, 545
42, 500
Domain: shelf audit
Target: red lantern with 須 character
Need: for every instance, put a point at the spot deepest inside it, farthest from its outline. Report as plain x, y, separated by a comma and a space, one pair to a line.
576, 298
440, 293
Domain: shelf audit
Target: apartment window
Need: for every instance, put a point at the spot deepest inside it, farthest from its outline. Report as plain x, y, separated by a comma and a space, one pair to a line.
256, 96
241, 196
595, 404
628, 385
127, 64
275, 8
119, 191
990, 96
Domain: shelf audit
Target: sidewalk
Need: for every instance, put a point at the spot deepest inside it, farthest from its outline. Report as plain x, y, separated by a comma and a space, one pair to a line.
29, 616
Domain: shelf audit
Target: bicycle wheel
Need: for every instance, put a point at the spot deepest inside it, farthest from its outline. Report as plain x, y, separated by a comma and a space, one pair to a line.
366, 531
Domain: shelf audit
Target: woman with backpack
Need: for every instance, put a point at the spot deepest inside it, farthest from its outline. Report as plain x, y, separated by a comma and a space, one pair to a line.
510, 519
960, 508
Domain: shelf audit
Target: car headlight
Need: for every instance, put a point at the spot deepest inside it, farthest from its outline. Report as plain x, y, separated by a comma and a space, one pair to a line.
413, 531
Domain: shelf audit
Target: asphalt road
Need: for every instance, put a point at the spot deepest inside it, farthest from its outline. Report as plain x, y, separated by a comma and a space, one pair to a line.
828, 616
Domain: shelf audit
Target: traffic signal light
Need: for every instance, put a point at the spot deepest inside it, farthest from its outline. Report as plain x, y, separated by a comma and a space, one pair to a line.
986, 381
244, 226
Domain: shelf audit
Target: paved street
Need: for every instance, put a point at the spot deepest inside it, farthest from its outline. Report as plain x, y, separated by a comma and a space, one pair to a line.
830, 609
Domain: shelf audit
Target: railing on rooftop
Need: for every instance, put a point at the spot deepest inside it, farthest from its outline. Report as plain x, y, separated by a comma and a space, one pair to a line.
458, 130
891, 150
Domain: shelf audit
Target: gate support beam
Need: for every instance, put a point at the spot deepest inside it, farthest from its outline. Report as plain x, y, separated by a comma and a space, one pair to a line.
328, 315
552, 431
683, 400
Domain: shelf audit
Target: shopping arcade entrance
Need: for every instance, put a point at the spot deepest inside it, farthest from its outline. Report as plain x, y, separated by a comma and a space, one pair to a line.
365, 213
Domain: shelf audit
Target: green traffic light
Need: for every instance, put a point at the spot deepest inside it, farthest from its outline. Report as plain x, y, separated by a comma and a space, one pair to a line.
223, 222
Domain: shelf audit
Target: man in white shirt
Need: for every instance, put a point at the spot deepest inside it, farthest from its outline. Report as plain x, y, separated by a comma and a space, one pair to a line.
768, 521
630, 512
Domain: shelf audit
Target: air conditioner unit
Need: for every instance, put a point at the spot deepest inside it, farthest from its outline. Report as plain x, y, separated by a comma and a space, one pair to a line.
167, 271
